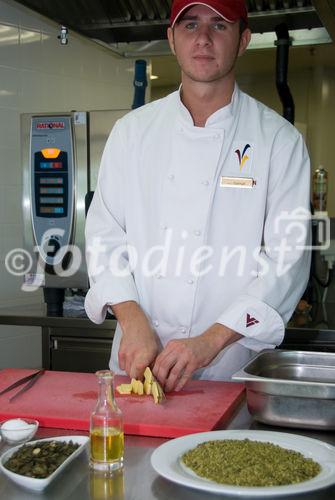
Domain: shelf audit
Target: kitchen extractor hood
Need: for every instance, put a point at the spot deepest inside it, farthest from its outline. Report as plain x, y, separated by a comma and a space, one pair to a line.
138, 27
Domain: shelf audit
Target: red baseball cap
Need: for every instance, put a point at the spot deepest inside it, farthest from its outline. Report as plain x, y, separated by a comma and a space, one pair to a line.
230, 10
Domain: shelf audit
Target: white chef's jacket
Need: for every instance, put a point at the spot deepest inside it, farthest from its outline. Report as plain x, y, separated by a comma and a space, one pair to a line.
163, 181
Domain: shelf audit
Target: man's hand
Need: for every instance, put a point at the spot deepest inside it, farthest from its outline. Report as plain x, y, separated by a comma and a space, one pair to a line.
180, 358
139, 344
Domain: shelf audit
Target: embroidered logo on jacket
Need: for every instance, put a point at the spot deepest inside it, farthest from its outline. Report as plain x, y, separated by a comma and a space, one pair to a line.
243, 158
251, 321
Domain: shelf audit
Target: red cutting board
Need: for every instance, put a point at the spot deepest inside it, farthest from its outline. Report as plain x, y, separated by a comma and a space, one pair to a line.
66, 399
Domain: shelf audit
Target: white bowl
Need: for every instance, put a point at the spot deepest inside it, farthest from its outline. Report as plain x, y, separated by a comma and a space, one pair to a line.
35, 484
19, 436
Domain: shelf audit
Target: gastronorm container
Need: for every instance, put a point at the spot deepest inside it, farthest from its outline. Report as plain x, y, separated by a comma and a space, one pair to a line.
291, 388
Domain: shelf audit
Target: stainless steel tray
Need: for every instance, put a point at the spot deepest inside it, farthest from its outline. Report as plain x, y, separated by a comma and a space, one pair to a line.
291, 388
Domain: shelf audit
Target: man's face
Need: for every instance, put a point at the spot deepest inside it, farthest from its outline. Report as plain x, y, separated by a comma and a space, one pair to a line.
206, 46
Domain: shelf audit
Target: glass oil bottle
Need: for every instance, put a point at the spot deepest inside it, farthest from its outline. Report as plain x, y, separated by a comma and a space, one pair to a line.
106, 428
320, 189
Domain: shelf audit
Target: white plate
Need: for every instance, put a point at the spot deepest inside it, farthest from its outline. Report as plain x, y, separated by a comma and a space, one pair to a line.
40, 484
166, 462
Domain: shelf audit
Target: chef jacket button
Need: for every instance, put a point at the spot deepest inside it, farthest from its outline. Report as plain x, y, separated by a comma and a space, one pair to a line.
205, 183
183, 329
159, 276
190, 281
197, 232
171, 177
164, 227
216, 136
156, 323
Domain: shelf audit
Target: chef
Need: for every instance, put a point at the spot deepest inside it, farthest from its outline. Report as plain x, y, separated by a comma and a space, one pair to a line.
197, 233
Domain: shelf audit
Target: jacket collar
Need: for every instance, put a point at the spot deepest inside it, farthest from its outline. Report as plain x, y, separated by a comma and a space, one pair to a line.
218, 120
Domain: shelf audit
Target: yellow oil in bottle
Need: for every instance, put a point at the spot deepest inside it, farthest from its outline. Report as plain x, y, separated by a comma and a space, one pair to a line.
107, 444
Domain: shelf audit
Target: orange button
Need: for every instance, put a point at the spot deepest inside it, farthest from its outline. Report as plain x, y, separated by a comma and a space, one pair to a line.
50, 152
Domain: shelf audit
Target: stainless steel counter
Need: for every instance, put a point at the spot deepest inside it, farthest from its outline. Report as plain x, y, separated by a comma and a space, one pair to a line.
315, 331
36, 316
139, 481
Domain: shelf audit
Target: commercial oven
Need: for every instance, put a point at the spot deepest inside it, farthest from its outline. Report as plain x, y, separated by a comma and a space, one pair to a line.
61, 155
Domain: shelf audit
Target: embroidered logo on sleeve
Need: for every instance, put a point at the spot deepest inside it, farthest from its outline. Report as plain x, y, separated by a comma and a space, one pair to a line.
251, 321
243, 158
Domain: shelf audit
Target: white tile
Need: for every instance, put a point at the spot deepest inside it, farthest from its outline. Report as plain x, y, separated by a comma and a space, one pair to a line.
8, 12
107, 66
9, 128
2, 202
74, 97
90, 65
9, 46
100, 95
10, 170
31, 53
53, 54
55, 92
14, 13
12, 205
2, 243
86, 94
125, 70
10, 286
121, 97
11, 293
10, 87
34, 92
42, 92
12, 237
61, 59
93, 94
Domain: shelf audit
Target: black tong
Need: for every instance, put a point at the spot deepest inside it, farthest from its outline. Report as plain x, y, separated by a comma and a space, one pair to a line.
31, 379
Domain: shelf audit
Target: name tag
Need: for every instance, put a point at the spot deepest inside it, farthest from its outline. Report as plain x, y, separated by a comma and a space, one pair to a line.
237, 182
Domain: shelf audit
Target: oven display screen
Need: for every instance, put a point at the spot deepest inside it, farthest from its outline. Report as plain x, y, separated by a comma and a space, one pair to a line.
51, 165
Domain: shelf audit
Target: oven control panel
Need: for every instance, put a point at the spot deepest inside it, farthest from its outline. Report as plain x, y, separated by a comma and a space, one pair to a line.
52, 185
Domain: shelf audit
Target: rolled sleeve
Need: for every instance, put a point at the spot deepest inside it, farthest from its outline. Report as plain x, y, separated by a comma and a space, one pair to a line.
106, 235
108, 290
254, 319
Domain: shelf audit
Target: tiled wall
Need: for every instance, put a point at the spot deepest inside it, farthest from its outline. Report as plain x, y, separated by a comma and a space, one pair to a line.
38, 74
